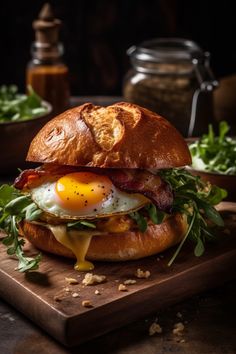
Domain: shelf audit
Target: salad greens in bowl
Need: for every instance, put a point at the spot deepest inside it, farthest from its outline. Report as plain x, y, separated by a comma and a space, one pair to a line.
21, 117
214, 158
16, 107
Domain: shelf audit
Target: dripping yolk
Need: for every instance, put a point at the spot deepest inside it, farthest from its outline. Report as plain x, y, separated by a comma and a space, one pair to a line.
82, 190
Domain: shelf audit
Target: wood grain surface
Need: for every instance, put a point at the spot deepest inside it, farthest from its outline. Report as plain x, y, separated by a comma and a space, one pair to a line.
36, 294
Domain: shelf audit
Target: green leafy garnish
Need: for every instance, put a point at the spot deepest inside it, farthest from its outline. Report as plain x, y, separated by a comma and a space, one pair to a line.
215, 153
196, 200
155, 215
19, 107
140, 220
192, 197
150, 211
15, 207
81, 225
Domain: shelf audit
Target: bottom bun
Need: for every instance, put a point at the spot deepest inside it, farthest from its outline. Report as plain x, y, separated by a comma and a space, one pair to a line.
115, 246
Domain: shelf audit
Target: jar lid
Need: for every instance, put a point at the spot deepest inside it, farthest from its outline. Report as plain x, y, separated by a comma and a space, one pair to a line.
166, 49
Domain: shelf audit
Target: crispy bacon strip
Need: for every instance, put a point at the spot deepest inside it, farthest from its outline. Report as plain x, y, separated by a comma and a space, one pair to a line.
146, 183
128, 180
27, 176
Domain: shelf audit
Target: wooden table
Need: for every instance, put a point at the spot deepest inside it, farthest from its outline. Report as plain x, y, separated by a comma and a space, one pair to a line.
209, 321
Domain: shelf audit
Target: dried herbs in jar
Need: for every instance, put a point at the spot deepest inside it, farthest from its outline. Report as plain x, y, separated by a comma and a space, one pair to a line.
172, 77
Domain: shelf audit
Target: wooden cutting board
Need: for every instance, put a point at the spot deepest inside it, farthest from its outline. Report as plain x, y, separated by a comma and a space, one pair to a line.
47, 298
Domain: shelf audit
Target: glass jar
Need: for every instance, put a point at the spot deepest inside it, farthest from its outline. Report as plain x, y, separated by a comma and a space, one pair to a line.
46, 72
48, 75
173, 78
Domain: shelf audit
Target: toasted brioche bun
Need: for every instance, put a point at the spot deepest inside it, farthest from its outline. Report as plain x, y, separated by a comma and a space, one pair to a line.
115, 246
123, 135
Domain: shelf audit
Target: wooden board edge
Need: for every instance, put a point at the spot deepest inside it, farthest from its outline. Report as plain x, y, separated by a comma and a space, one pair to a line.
48, 318
157, 298
73, 330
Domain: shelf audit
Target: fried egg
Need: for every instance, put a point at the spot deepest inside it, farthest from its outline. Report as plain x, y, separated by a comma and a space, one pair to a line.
84, 195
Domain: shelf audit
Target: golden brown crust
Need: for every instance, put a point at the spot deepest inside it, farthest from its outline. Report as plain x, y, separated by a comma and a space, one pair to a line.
123, 135
115, 246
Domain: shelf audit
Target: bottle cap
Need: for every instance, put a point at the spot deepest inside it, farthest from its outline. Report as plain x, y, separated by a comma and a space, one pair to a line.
46, 26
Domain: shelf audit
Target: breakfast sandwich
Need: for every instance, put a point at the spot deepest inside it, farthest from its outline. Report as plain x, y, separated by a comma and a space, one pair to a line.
110, 186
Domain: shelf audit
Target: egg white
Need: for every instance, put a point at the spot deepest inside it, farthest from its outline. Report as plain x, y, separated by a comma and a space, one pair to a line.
116, 203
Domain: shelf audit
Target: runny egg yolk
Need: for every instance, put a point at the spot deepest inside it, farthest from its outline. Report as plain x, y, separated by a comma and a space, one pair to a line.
82, 190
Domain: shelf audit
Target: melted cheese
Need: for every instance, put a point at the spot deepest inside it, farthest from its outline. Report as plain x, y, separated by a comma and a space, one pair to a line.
77, 241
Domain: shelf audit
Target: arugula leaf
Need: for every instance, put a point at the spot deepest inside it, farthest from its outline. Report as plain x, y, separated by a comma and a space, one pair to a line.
155, 215
200, 248
196, 199
140, 220
6, 194
215, 153
216, 195
183, 240
80, 225
211, 213
14, 208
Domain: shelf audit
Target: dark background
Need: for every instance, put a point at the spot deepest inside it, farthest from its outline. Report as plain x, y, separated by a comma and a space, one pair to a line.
96, 35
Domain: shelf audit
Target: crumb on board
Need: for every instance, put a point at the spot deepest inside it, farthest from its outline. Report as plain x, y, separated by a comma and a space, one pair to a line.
87, 303
178, 329
142, 274
97, 292
75, 295
58, 298
130, 281
7, 316
72, 280
67, 289
179, 315
122, 287
155, 328
91, 279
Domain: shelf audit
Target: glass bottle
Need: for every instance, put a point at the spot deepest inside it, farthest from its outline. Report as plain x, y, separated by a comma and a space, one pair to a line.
46, 72
173, 78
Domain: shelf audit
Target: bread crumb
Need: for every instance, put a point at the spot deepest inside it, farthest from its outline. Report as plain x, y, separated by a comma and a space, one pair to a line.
179, 315
142, 273
122, 287
182, 341
75, 295
130, 281
97, 292
178, 329
58, 298
91, 279
72, 280
117, 280
87, 303
67, 289
155, 328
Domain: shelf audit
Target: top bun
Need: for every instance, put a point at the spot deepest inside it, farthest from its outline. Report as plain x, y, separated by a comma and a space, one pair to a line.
123, 135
